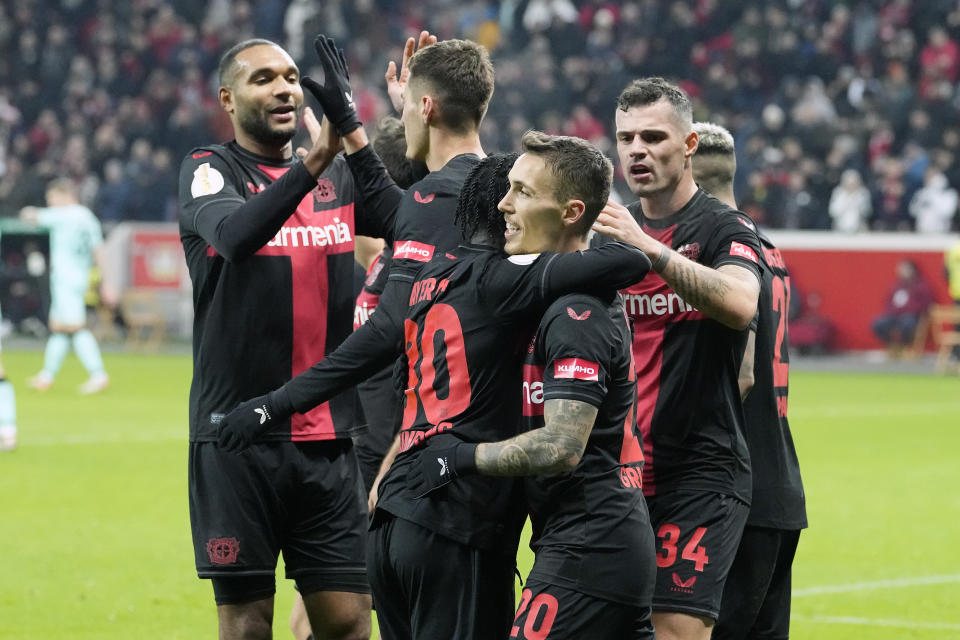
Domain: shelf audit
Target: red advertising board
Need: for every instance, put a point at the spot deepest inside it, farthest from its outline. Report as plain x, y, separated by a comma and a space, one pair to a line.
852, 275
157, 259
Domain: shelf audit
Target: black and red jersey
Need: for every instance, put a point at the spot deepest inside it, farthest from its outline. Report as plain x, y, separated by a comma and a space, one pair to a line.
778, 498
270, 254
688, 400
470, 311
591, 529
373, 284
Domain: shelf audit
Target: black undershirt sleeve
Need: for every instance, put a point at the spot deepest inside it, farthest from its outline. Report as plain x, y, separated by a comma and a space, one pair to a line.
609, 267
366, 351
238, 229
379, 193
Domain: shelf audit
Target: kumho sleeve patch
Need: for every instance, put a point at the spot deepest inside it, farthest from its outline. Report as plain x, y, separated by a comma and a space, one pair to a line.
575, 368
743, 251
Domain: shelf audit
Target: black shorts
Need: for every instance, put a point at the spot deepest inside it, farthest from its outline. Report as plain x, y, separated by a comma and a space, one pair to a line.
756, 599
427, 586
698, 533
302, 498
550, 612
379, 400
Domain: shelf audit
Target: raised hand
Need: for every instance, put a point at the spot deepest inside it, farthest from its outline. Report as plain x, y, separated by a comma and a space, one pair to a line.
395, 84
335, 94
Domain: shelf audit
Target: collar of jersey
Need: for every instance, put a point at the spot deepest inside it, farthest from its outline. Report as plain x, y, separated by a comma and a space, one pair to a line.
289, 162
672, 219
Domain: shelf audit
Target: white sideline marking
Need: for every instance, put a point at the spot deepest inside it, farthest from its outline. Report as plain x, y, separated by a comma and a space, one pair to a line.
895, 583
875, 622
873, 410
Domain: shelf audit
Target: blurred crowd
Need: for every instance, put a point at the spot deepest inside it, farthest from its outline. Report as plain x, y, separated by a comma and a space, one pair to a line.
845, 113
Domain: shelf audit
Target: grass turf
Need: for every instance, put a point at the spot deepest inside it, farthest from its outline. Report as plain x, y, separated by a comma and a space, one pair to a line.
95, 538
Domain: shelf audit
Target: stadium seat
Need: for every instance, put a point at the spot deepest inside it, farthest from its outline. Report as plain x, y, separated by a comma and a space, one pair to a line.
944, 320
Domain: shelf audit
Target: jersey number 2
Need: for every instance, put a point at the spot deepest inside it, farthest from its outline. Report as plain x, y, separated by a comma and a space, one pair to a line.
780, 288
422, 349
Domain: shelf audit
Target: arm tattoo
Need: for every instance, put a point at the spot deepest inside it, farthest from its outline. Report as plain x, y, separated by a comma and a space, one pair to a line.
554, 448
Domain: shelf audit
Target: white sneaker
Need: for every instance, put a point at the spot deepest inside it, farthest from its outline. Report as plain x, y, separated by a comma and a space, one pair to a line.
41, 382
8, 438
95, 384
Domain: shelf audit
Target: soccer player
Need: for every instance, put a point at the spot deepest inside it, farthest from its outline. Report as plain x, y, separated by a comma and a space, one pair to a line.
756, 598
75, 243
595, 565
269, 241
445, 97
466, 317
689, 337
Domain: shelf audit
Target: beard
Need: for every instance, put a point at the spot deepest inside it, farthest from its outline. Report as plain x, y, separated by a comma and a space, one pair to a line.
255, 123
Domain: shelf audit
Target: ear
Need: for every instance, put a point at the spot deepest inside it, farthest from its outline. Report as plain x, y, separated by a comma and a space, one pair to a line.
428, 109
690, 143
226, 100
573, 212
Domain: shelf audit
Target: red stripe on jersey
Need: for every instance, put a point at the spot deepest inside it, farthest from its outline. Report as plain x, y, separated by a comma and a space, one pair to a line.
743, 251
575, 368
532, 390
410, 250
308, 237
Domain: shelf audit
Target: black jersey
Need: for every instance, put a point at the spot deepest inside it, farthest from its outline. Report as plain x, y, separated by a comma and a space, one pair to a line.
688, 400
778, 499
270, 254
424, 224
591, 530
422, 219
464, 337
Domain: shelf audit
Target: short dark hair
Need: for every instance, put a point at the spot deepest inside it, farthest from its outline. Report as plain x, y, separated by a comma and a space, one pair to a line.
460, 74
646, 91
484, 188
580, 170
391, 145
228, 60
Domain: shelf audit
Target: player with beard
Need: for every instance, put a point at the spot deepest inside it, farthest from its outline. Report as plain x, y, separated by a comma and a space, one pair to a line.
756, 598
269, 242
595, 566
690, 329
463, 349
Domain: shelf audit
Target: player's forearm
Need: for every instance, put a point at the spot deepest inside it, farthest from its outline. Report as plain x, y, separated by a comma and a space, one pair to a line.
609, 267
554, 448
237, 230
379, 193
721, 296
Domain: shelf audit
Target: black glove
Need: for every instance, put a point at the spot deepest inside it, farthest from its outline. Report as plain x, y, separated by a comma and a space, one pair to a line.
334, 95
438, 466
253, 418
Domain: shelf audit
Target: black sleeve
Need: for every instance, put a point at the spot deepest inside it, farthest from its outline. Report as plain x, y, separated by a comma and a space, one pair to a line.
521, 283
577, 343
212, 206
366, 351
734, 242
379, 194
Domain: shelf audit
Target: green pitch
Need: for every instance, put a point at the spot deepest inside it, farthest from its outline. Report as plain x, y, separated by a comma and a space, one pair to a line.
95, 539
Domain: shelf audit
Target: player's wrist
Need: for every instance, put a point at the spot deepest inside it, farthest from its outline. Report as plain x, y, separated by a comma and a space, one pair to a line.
661, 259
281, 404
465, 458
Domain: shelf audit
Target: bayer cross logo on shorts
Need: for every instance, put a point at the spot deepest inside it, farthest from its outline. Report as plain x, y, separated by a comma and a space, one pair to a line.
223, 550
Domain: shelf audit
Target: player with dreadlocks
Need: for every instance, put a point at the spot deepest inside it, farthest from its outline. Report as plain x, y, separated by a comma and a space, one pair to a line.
595, 566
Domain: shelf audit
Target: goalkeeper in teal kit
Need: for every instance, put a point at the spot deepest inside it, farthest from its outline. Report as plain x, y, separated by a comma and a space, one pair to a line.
75, 239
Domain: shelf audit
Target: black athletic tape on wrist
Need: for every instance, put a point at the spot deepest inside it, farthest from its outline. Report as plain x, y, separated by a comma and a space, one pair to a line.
661, 262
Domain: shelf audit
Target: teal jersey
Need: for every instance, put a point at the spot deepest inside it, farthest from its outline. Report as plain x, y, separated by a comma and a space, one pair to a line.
74, 233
